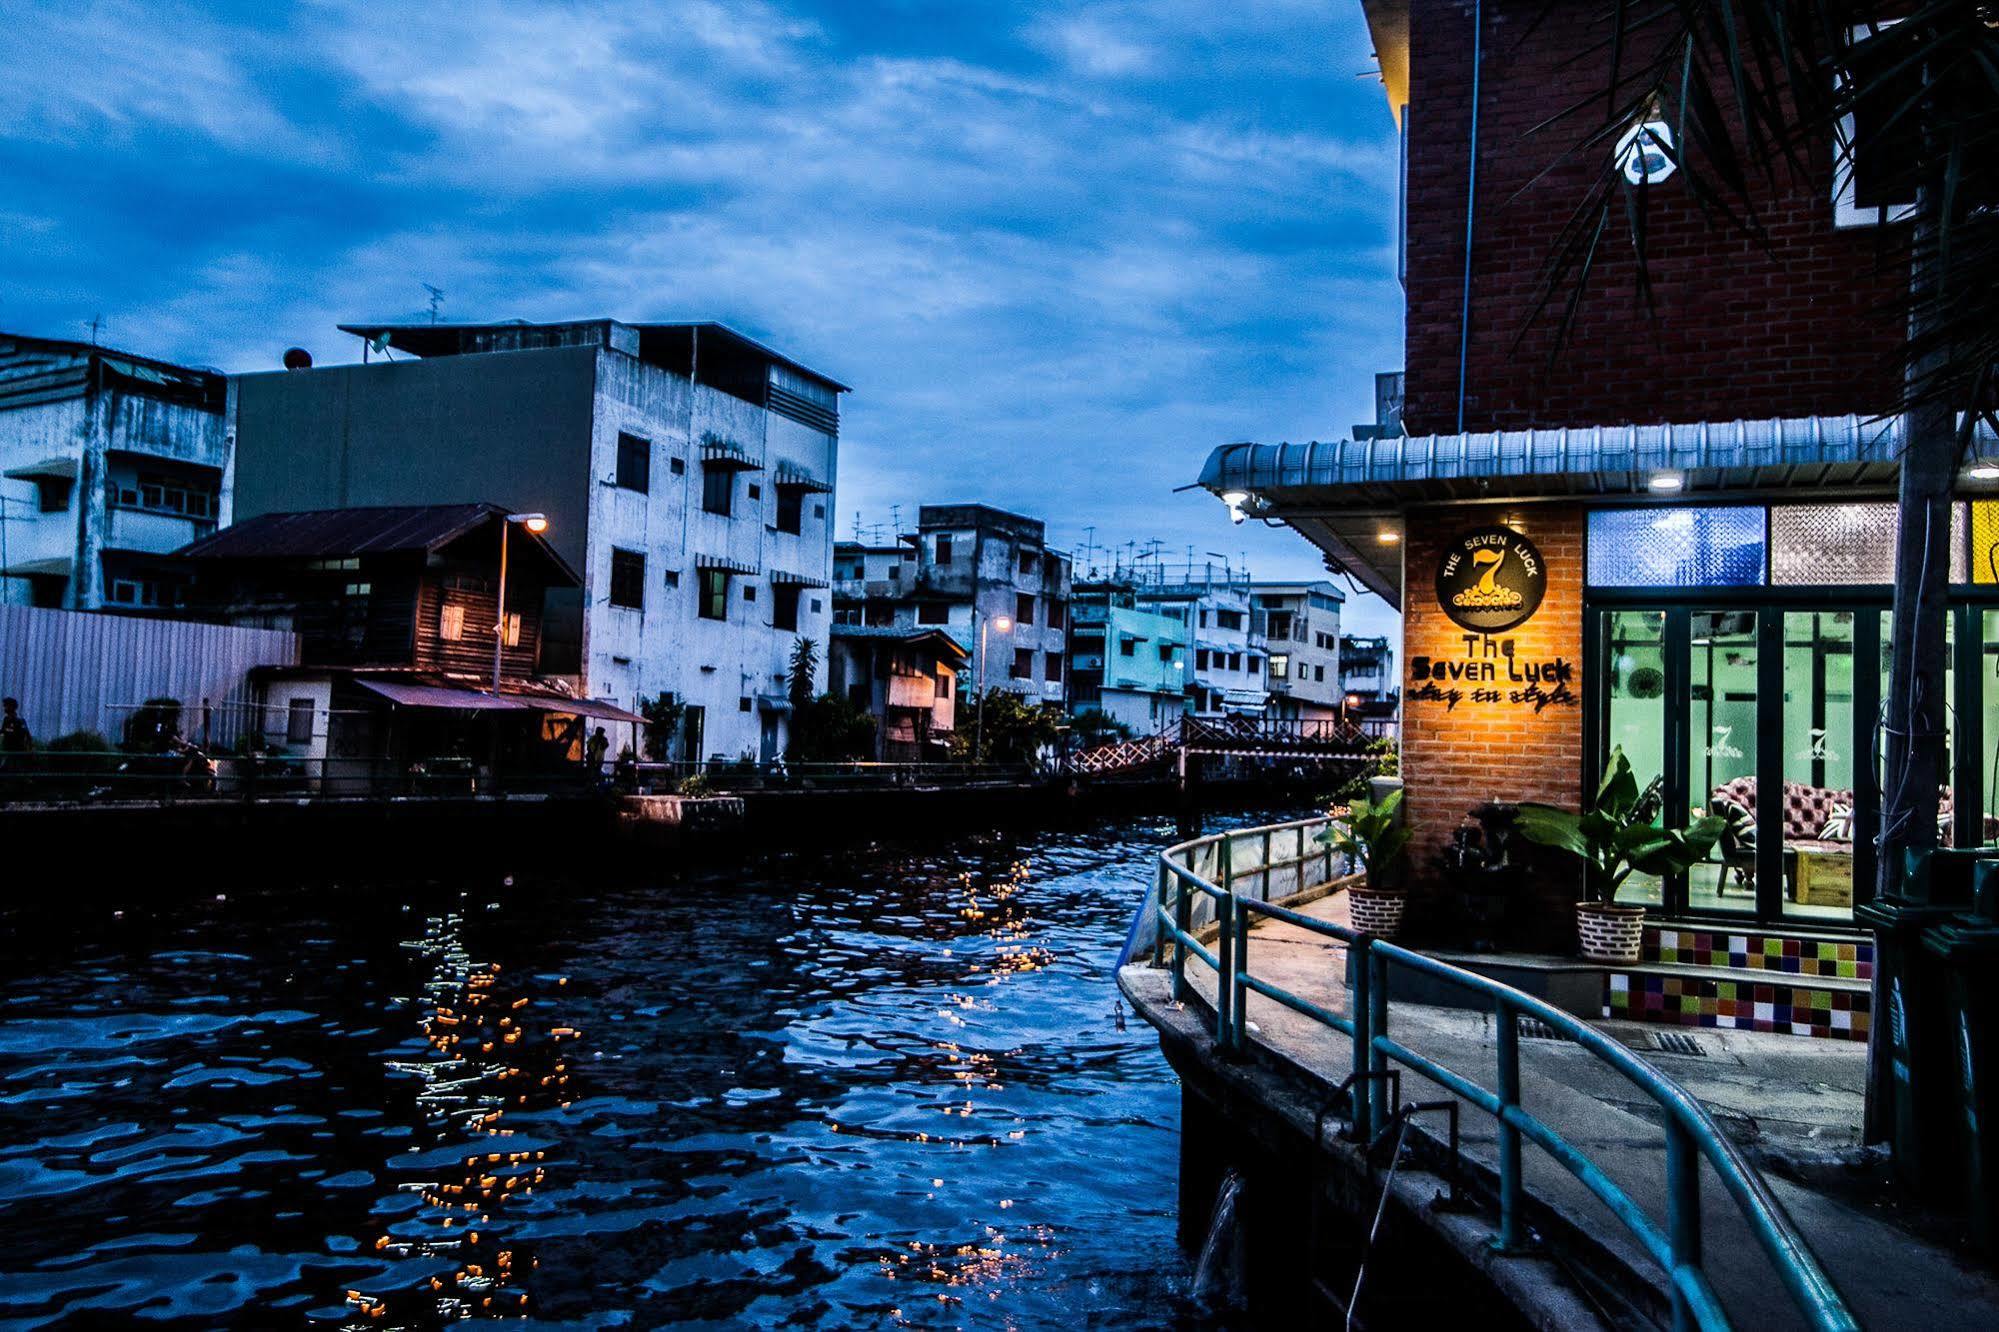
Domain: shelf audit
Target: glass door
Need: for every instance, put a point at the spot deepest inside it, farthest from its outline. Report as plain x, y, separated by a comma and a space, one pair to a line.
1817, 821
1721, 750
1635, 713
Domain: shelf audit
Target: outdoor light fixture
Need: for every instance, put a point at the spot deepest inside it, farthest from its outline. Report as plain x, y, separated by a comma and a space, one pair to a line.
1666, 482
1984, 471
1644, 153
1388, 536
1235, 499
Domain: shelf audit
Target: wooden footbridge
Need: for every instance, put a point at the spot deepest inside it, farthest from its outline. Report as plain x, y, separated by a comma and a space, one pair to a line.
1251, 739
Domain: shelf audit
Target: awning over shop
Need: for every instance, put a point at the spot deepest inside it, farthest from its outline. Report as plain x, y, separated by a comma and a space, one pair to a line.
724, 564
1339, 494
731, 457
783, 578
48, 469
441, 696
790, 476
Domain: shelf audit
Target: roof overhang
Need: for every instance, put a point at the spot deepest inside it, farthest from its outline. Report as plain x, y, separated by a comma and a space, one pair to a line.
48, 469
1388, 26
1347, 496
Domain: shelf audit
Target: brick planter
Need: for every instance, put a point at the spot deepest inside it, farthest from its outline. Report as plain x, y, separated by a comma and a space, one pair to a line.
1375, 911
1608, 932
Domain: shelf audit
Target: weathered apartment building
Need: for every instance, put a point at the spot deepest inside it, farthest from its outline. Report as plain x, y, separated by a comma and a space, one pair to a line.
977, 573
1127, 663
1224, 672
684, 470
1367, 673
1300, 624
108, 462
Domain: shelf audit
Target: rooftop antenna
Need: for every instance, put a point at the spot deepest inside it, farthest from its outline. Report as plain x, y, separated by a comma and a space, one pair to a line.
895, 518
436, 300
1089, 547
96, 323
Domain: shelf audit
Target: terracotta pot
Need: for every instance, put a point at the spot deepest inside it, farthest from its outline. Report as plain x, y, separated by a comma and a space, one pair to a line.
1609, 932
1376, 911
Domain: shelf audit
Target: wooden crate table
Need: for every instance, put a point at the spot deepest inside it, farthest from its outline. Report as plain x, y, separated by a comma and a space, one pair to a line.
1822, 878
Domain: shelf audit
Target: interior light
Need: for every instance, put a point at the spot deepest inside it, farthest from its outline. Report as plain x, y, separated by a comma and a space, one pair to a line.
1666, 481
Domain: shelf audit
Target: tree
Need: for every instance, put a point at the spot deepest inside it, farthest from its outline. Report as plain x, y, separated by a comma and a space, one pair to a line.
1747, 90
825, 728
662, 713
1015, 729
804, 666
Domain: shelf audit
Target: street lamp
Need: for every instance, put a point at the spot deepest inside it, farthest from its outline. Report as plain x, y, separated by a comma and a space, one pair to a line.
1005, 625
536, 523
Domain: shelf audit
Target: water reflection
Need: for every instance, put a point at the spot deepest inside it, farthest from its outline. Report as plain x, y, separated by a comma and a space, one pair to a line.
844, 1090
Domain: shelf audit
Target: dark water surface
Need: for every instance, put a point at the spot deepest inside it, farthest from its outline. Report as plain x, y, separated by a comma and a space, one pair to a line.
852, 1089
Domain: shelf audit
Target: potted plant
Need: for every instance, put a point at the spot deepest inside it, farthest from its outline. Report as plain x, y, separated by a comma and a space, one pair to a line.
1615, 835
1370, 835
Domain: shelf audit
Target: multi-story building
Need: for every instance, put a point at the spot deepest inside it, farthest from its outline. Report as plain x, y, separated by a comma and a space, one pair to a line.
1225, 661
906, 679
684, 471
1300, 623
1129, 664
1367, 673
977, 573
1669, 531
108, 462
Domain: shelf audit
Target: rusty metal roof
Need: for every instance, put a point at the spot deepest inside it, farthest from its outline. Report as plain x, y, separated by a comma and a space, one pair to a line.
347, 533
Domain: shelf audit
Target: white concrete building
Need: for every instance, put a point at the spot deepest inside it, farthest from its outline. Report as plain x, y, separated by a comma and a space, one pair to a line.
108, 461
1225, 661
1300, 623
685, 470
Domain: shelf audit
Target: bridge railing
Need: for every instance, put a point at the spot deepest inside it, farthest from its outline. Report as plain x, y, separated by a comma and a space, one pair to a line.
1227, 879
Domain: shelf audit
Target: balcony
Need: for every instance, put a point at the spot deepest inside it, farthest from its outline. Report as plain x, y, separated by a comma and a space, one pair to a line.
146, 532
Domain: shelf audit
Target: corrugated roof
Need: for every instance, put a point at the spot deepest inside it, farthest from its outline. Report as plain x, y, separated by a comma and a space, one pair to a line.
339, 533
896, 633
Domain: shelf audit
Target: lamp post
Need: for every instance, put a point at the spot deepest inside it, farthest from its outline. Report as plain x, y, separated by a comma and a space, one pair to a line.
533, 522
1004, 624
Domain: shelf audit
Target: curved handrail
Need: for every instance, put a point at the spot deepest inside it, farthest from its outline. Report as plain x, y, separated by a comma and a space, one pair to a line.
1691, 1133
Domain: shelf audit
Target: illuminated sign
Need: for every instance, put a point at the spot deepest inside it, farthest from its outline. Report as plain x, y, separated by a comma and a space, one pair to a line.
1490, 580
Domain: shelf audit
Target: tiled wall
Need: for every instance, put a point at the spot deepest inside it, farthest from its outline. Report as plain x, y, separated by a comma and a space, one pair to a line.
1849, 958
1788, 1009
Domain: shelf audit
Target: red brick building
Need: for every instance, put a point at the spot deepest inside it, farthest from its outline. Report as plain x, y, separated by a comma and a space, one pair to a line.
1673, 535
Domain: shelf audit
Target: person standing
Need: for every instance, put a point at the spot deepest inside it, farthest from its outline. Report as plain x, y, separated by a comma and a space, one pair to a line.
15, 737
594, 751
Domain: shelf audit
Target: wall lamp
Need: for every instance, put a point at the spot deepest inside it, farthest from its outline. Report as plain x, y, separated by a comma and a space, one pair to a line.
1666, 482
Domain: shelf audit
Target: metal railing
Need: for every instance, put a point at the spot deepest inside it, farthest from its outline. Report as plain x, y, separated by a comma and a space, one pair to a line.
1239, 892
69, 777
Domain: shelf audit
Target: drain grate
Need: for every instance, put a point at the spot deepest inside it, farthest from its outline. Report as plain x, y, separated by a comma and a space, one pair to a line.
1677, 1042
1534, 1029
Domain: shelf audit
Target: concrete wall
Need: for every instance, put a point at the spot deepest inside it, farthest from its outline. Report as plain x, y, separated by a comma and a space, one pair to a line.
1739, 330
1496, 740
76, 671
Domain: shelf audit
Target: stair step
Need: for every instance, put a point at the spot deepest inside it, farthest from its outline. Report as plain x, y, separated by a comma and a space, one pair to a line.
1748, 976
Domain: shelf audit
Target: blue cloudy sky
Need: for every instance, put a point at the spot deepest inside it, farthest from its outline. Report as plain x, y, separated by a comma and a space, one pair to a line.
1060, 251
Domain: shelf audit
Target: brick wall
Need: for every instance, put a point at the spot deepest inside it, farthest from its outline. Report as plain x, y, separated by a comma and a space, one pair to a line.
1739, 331
1456, 757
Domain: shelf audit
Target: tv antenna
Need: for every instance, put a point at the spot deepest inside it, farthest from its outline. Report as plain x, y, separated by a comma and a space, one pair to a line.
436, 300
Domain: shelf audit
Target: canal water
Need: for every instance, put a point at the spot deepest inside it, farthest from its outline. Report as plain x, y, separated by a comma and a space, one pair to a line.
877, 1087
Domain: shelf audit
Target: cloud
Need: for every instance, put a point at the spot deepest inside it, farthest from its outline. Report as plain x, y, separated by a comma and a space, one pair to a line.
1061, 252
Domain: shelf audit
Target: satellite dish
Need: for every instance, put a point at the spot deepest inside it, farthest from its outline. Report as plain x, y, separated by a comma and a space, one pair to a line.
298, 358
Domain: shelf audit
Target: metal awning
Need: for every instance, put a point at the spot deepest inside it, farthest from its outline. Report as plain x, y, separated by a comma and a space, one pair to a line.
441, 696
784, 578
724, 564
1345, 495
48, 469
790, 476
721, 453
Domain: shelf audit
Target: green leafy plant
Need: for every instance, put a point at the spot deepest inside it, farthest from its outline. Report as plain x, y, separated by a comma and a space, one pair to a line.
695, 786
1619, 833
1368, 833
663, 713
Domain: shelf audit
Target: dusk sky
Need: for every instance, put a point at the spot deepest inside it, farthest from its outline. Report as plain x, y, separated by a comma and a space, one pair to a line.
1060, 251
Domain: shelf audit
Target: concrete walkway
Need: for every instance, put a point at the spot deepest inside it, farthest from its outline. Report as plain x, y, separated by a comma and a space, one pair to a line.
1790, 1096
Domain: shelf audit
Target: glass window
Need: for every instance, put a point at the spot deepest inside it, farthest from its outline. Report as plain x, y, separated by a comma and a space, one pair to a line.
634, 463
784, 607
1280, 666
1818, 764
1681, 546
933, 612
298, 722
714, 603
1833, 543
451, 622
718, 490
1023, 663
791, 511
943, 547
628, 579
1984, 553
1054, 666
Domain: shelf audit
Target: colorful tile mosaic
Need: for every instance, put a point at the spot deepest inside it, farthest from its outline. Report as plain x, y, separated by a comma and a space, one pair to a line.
1747, 1005
1852, 959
